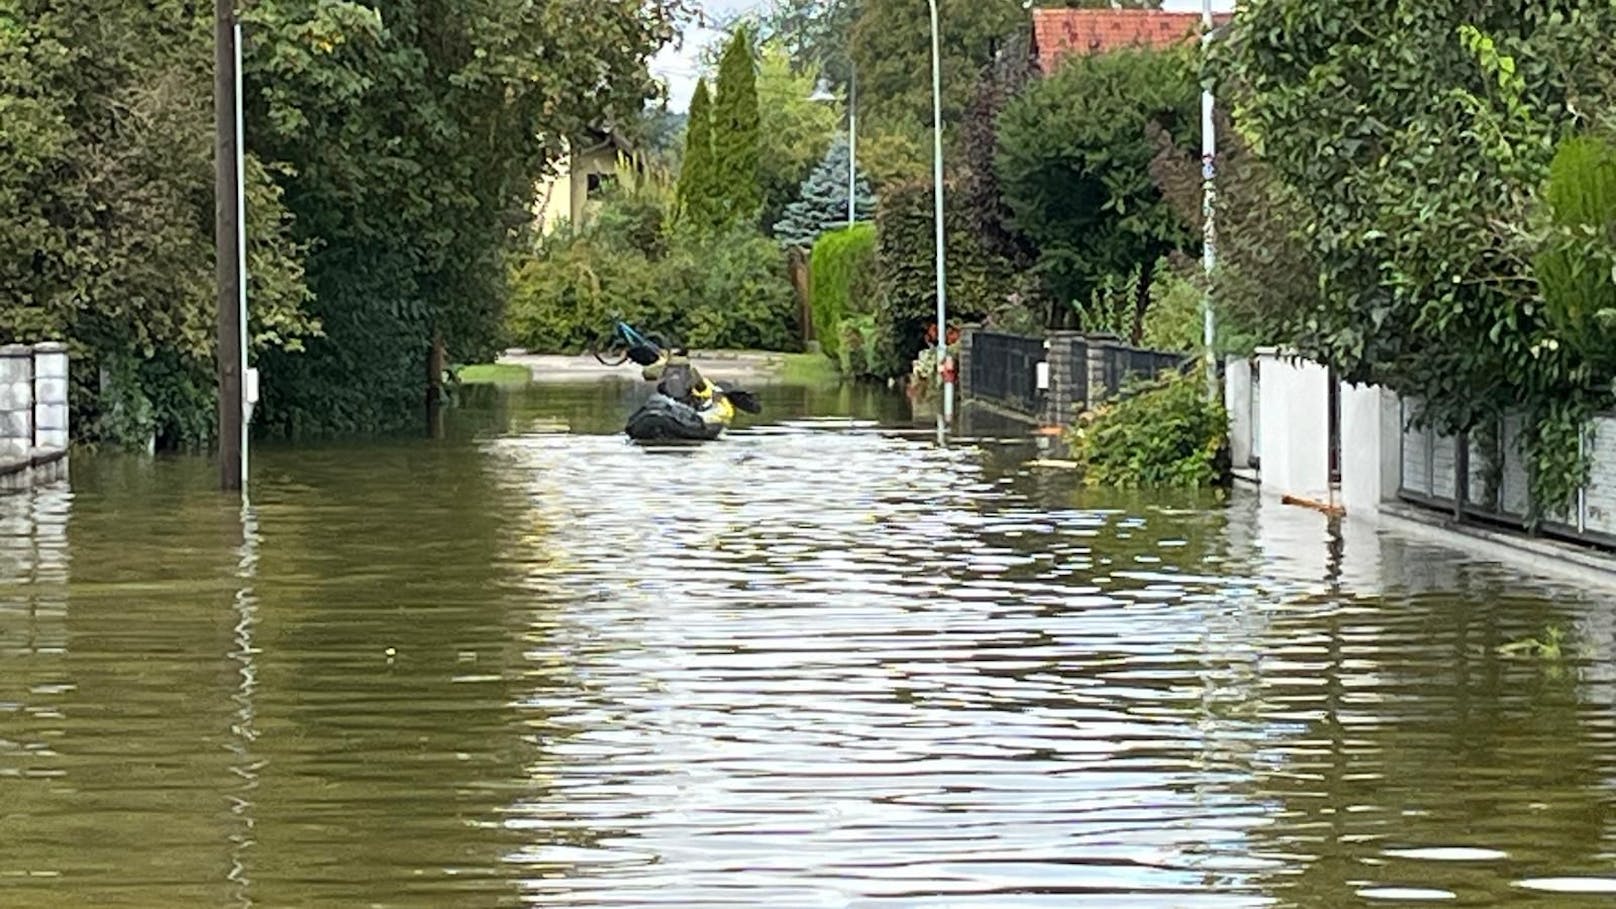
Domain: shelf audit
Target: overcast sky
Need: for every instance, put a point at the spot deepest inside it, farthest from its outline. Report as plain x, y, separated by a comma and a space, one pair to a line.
676, 66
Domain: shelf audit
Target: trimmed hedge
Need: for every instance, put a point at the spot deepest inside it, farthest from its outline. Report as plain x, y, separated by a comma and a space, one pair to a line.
842, 281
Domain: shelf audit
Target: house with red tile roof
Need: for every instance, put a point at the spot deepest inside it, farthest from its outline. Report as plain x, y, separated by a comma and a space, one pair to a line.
1058, 32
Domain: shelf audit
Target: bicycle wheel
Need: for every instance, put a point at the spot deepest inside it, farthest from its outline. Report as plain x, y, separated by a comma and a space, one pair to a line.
610, 350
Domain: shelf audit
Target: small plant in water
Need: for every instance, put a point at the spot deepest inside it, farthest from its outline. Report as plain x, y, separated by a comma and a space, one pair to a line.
1549, 649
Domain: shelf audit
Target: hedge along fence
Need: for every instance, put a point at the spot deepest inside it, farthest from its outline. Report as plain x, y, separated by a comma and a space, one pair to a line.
906, 260
842, 281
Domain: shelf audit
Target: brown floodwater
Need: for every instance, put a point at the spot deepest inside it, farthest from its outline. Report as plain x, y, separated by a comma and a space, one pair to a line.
823, 662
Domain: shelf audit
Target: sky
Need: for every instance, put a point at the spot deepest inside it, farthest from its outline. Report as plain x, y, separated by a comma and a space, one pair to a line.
676, 66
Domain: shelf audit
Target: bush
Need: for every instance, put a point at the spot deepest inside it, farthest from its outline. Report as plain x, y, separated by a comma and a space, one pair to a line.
1160, 433
728, 289
742, 296
842, 281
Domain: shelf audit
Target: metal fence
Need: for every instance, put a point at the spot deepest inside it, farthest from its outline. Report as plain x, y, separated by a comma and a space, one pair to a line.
1080, 371
1486, 471
1120, 364
1004, 368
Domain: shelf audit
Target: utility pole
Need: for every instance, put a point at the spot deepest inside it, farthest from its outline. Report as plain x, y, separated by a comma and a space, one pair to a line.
227, 231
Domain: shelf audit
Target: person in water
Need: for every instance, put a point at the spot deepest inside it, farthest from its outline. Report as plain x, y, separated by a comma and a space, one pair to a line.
679, 379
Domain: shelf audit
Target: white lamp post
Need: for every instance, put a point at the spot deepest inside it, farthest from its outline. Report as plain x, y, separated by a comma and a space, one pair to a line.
1209, 166
822, 93
946, 415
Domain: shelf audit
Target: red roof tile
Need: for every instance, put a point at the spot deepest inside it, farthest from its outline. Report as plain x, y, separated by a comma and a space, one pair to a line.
1058, 32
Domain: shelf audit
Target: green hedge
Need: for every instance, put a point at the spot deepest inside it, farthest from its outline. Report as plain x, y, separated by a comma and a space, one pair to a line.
978, 281
842, 279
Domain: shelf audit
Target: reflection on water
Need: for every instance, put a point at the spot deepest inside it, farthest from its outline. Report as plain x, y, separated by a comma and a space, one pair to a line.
823, 662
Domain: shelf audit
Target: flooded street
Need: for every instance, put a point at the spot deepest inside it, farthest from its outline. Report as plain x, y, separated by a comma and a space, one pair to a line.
823, 662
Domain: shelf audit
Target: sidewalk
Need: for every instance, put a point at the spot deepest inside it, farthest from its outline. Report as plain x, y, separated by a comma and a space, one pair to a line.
719, 365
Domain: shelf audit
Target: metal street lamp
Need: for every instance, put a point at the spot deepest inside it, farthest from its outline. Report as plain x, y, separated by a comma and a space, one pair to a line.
823, 94
1209, 166
946, 414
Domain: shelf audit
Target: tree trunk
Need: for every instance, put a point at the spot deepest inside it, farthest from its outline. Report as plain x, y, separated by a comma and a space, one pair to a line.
1141, 302
435, 362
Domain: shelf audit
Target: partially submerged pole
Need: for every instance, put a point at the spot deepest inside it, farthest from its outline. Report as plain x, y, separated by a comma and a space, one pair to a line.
227, 243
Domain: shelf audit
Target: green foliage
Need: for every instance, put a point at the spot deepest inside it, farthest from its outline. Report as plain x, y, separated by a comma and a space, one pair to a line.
698, 182
736, 133
1160, 433
704, 289
1074, 165
1265, 272
906, 306
843, 282
891, 48
1171, 320
1577, 267
1410, 160
106, 181
822, 202
813, 33
856, 345
413, 141
795, 131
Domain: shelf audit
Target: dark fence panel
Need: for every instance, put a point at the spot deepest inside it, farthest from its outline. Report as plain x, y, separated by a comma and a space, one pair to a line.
1004, 368
1119, 364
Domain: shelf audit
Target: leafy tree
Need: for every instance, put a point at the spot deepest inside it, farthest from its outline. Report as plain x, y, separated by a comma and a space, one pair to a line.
814, 35
978, 282
698, 189
1074, 164
1264, 274
1415, 155
891, 47
822, 201
414, 139
794, 130
979, 141
106, 181
736, 132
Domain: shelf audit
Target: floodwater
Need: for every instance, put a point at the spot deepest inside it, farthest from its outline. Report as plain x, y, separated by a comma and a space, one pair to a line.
822, 663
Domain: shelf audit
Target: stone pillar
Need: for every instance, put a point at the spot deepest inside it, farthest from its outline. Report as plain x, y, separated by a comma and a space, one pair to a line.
963, 367
16, 402
1237, 401
1063, 401
50, 396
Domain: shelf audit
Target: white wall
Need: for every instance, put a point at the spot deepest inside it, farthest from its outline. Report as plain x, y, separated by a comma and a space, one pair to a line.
1294, 426
1237, 400
1370, 430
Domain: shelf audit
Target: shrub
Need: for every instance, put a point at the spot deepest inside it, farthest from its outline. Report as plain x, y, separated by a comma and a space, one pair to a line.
842, 281
706, 290
1162, 432
742, 296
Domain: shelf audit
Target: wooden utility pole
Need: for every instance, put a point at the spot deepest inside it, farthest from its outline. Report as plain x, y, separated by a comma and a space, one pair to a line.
226, 234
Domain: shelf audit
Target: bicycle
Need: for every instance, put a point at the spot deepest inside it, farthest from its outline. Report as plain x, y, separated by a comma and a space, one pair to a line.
623, 343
